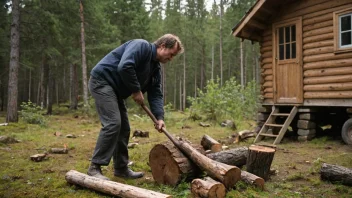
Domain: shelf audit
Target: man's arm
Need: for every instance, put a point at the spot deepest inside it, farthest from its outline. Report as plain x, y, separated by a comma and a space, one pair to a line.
156, 100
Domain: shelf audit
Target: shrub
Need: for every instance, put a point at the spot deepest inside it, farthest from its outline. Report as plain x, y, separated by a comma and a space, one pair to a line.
230, 101
31, 113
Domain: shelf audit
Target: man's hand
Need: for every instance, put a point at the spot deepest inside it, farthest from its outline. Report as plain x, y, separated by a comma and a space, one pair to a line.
159, 125
138, 97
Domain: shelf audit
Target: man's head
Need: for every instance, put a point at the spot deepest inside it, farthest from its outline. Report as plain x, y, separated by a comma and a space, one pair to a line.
167, 47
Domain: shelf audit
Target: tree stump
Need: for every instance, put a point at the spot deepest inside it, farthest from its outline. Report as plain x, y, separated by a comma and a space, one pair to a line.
336, 173
251, 179
110, 187
259, 160
235, 157
209, 143
207, 188
169, 165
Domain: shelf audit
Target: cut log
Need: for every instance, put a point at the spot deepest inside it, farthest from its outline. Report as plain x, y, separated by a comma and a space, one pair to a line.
209, 143
235, 157
336, 173
38, 157
139, 133
204, 124
58, 150
170, 166
252, 179
246, 134
207, 188
110, 187
259, 160
132, 145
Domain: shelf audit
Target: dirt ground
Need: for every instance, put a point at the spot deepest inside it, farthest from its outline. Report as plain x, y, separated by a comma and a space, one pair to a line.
296, 164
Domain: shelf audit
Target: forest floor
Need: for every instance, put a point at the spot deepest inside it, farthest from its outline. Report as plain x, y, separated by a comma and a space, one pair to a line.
297, 164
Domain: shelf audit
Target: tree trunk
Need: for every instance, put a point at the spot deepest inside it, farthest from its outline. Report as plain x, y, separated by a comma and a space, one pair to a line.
30, 85
209, 143
44, 81
212, 62
336, 173
50, 91
110, 187
2, 96
163, 70
195, 83
175, 91
259, 160
242, 66
180, 94
207, 188
203, 68
221, 12
170, 166
84, 62
252, 179
12, 96
184, 82
73, 85
236, 157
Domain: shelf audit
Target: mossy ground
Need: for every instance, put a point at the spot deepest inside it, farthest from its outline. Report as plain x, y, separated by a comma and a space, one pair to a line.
297, 164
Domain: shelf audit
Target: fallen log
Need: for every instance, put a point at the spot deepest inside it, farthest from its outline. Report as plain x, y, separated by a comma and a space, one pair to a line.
139, 133
38, 157
204, 124
259, 160
252, 179
209, 143
110, 187
336, 173
236, 157
170, 166
226, 174
58, 150
246, 134
207, 188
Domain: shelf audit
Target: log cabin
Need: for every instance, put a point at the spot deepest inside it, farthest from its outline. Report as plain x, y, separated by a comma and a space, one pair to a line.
305, 65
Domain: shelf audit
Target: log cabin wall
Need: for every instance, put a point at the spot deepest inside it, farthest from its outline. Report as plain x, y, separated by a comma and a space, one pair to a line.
327, 74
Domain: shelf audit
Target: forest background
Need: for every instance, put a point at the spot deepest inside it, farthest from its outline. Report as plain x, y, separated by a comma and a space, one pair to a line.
55, 44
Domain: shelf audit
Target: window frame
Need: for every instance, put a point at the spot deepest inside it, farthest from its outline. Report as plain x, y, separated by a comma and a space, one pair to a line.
337, 32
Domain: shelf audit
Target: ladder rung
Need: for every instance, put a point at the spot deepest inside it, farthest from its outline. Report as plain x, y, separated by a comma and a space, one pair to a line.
268, 135
281, 114
274, 125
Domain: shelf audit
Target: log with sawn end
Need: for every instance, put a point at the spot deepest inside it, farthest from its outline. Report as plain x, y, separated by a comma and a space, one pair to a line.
207, 188
209, 143
111, 187
236, 157
335, 173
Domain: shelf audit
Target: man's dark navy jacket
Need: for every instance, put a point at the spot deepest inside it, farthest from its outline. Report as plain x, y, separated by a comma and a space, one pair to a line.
133, 67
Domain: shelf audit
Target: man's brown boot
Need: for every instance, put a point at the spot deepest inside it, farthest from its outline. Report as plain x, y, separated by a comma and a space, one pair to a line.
94, 170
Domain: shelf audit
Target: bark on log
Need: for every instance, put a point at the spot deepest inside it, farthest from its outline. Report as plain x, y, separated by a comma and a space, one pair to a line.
318, 25
328, 64
328, 71
336, 173
317, 38
316, 51
207, 188
329, 87
170, 166
328, 94
209, 143
327, 79
110, 187
139, 133
259, 160
327, 56
235, 157
318, 44
252, 179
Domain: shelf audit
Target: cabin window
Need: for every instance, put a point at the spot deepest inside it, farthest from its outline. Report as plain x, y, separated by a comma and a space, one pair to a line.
343, 30
287, 42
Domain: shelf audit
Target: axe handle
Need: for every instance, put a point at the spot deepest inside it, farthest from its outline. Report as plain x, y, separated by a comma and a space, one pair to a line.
163, 129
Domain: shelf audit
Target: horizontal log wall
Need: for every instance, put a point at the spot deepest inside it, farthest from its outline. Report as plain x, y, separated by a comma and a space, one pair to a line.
327, 75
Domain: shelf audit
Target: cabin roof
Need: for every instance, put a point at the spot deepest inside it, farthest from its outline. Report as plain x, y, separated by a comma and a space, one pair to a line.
257, 19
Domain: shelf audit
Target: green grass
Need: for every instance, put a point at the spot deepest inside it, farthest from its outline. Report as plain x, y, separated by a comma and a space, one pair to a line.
297, 164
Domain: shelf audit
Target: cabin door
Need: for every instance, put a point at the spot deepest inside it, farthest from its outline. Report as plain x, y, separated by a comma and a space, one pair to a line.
287, 61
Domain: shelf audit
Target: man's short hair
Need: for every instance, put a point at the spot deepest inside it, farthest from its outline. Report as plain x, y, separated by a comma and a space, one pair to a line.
169, 41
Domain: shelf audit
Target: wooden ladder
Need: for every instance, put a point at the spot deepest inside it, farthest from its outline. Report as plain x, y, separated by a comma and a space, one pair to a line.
270, 122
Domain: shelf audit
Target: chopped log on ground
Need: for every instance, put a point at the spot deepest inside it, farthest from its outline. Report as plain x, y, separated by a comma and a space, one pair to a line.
235, 157
4, 124
132, 145
71, 136
207, 188
209, 143
226, 174
204, 124
252, 179
259, 160
38, 157
246, 134
7, 140
335, 173
170, 166
110, 187
58, 150
139, 133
